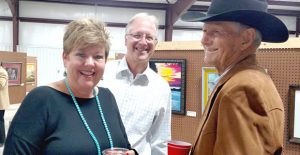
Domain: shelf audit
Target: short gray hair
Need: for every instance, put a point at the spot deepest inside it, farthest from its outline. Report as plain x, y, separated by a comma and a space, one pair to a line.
144, 15
258, 38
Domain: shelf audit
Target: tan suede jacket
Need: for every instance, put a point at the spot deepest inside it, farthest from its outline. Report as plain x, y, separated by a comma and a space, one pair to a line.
244, 115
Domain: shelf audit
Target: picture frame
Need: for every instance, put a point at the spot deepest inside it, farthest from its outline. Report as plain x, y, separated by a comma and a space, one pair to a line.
174, 72
294, 113
14, 72
209, 77
30, 73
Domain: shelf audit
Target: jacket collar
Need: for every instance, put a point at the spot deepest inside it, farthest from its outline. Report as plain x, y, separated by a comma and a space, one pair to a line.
248, 62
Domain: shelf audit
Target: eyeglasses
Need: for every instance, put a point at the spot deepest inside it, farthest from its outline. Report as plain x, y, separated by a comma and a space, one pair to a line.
140, 36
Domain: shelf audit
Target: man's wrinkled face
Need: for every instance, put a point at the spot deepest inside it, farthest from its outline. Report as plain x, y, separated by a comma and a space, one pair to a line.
222, 43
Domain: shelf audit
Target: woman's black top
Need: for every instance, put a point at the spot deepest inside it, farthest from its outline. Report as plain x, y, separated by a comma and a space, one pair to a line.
47, 123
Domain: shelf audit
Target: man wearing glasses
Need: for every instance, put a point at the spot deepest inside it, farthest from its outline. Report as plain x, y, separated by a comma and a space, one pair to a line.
143, 97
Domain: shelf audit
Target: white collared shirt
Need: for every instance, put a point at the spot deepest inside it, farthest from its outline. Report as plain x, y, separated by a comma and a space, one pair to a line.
145, 106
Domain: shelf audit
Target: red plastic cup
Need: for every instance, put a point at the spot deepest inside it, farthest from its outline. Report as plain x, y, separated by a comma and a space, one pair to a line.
176, 147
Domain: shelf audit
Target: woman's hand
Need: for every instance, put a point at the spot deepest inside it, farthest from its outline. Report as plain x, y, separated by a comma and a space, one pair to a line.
131, 152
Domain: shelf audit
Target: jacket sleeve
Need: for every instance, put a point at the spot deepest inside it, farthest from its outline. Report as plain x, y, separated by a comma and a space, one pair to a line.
3, 78
248, 123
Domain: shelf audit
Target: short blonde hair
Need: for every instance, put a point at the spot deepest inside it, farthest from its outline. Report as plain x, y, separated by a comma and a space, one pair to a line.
85, 32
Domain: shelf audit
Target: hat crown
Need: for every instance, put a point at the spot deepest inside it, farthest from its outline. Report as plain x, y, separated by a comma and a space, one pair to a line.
221, 6
248, 12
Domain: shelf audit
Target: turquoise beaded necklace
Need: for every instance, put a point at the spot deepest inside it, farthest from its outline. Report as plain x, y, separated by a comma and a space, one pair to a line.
85, 122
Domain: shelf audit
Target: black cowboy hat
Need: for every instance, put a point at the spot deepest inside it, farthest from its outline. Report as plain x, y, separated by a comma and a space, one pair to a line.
248, 12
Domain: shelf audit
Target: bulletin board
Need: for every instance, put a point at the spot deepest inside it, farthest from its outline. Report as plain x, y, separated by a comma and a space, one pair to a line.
282, 62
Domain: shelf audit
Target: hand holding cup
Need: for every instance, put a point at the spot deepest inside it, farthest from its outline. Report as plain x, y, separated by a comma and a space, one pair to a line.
117, 151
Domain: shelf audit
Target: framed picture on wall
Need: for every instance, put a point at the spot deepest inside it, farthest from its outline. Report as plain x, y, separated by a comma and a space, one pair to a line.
294, 113
14, 72
30, 73
209, 77
173, 71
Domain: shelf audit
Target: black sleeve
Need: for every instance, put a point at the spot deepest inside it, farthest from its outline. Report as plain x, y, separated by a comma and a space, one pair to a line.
26, 132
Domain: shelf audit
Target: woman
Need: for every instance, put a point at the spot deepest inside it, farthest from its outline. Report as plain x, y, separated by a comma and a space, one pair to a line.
71, 116
4, 101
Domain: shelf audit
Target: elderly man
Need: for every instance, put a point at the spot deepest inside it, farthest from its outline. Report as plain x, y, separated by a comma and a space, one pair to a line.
244, 115
143, 96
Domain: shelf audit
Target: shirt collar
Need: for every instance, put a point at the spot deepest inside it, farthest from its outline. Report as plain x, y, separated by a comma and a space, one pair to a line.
123, 71
122, 66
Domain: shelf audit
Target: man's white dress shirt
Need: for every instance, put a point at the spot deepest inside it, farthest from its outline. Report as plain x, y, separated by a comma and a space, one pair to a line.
145, 106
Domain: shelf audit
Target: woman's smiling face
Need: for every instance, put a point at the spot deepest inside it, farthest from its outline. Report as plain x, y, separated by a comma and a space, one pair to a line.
85, 67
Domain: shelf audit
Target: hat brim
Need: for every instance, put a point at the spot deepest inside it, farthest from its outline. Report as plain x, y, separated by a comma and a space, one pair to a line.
271, 28
190, 16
